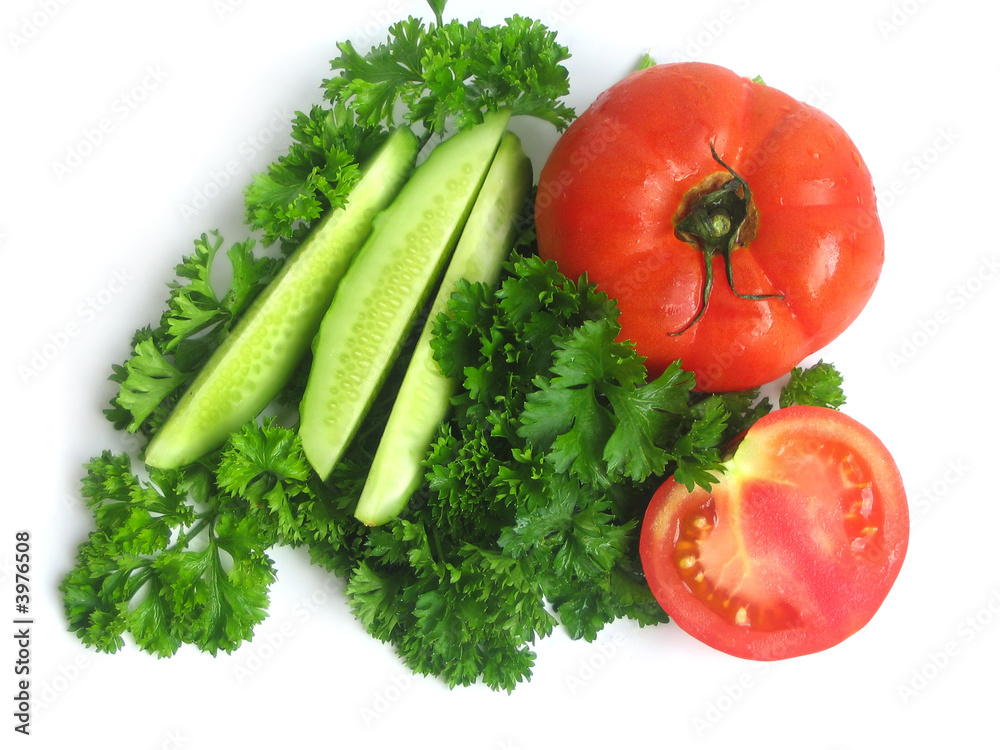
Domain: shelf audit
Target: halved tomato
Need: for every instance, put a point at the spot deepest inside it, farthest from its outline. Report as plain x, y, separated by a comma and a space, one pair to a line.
794, 549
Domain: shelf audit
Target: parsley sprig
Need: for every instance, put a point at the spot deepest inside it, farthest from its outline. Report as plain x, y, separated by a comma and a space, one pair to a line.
158, 568
449, 74
181, 556
819, 385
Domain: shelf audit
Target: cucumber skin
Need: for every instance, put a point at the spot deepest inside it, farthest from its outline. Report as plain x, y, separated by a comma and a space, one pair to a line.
386, 286
248, 369
424, 397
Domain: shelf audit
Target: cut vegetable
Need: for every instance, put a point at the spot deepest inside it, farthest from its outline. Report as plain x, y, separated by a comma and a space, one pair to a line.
423, 400
257, 358
386, 285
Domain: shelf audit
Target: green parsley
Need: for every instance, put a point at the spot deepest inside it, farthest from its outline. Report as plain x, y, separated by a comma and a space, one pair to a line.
819, 385
536, 486
156, 567
316, 174
448, 75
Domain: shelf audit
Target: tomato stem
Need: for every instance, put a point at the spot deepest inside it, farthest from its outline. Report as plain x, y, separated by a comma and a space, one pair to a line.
717, 221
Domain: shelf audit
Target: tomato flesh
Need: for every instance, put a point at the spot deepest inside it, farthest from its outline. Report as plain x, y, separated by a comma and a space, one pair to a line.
793, 550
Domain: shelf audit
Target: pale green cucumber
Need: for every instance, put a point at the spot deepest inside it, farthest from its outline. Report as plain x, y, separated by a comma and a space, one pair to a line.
423, 400
248, 369
386, 286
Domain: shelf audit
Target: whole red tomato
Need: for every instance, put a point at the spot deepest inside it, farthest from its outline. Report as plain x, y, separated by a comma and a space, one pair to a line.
735, 226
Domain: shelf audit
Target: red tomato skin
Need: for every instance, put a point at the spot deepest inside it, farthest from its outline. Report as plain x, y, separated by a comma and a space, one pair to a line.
796, 544
610, 191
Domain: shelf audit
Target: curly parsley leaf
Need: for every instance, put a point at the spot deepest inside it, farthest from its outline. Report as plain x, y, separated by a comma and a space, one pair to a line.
181, 557
819, 385
146, 380
315, 175
574, 532
646, 61
742, 408
598, 418
265, 466
695, 452
452, 73
463, 616
213, 603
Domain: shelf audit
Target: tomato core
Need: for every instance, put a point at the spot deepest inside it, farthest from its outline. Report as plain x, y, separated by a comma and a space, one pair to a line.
717, 216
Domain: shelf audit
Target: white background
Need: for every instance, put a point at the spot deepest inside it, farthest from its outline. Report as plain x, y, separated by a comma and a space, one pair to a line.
196, 96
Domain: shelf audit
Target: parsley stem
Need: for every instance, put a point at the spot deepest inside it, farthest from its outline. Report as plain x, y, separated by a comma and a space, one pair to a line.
185, 538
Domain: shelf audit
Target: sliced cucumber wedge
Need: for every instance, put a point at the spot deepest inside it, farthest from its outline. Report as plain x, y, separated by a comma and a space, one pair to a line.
386, 286
259, 355
423, 399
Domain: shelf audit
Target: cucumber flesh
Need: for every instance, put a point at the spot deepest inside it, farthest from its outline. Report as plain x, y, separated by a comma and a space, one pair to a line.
424, 397
386, 286
248, 369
